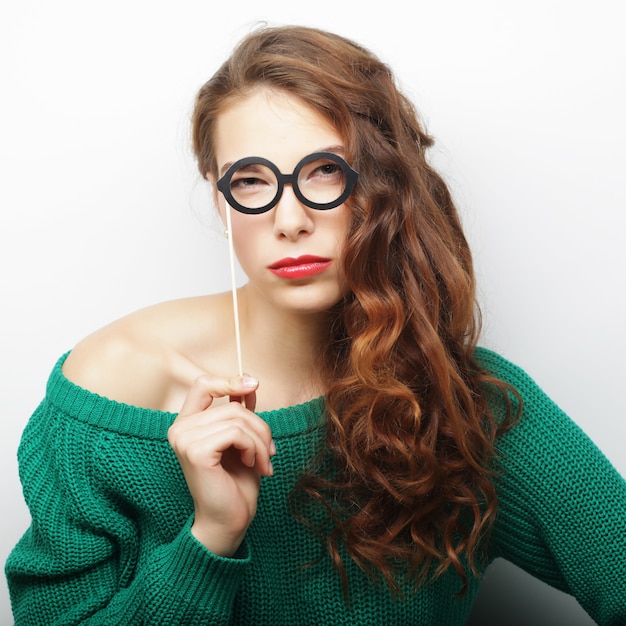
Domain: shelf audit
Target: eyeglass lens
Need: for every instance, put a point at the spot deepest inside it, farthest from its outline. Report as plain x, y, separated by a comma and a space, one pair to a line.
320, 181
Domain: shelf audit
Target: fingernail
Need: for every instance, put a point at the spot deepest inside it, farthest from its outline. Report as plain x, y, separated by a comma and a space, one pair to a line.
272, 447
271, 468
249, 381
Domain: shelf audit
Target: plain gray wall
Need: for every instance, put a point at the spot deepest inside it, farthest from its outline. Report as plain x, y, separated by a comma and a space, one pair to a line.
103, 212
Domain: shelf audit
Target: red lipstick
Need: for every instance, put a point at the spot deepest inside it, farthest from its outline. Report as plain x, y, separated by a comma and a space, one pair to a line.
301, 267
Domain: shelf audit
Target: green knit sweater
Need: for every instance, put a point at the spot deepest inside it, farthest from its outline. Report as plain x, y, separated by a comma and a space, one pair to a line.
110, 539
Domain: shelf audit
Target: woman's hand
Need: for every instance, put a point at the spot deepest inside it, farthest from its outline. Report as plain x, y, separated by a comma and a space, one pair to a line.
223, 451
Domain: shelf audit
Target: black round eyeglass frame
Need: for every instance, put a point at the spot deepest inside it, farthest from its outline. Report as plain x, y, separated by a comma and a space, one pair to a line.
223, 184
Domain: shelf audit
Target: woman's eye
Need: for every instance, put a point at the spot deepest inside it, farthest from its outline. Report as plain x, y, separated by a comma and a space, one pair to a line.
326, 172
329, 169
249, 183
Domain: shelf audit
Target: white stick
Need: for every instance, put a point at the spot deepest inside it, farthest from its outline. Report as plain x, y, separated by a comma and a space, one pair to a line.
231, 254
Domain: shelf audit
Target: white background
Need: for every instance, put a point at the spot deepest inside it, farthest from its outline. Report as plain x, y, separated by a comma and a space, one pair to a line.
102, 211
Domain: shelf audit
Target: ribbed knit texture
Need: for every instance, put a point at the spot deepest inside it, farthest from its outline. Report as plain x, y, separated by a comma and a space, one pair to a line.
110, 539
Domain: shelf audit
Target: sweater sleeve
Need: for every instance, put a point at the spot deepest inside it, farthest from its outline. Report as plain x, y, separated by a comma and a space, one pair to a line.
80, 561
562, 504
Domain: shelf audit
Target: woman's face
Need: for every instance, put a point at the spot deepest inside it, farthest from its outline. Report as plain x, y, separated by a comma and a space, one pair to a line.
290, 253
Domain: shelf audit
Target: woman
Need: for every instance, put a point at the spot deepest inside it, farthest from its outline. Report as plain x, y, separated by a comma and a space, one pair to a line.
373, 460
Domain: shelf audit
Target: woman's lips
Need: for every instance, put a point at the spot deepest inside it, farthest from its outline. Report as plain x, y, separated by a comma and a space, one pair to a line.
301, 267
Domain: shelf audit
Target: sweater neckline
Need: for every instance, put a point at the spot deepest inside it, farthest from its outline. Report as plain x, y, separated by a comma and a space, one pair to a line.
101, 412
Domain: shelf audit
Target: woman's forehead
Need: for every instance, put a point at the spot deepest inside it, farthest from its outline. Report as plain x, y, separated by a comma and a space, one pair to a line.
275, 125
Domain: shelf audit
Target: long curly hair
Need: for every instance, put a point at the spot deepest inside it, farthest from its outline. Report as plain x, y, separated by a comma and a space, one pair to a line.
410, 432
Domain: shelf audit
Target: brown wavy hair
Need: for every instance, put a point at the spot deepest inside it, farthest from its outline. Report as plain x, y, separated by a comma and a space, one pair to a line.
410, 432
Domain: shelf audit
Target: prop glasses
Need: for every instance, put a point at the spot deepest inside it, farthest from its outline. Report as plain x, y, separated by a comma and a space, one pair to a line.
321, 181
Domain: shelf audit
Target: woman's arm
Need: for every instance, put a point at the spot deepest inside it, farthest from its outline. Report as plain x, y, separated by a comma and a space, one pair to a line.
563, 505
111, 536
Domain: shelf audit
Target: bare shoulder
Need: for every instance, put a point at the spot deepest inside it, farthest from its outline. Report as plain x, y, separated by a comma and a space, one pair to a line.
150, 357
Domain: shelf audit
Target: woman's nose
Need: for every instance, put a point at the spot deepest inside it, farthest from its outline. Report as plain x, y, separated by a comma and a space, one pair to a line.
291, 218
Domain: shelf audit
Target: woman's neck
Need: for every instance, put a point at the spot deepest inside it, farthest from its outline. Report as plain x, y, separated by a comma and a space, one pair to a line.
281, 348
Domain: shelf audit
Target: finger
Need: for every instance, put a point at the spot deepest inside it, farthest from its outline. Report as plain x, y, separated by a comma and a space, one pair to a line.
207, 387
208, 451
207, 427
202, 423
249, 400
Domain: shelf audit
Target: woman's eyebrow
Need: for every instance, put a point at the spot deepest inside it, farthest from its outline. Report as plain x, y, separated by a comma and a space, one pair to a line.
251, 167
336, 149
